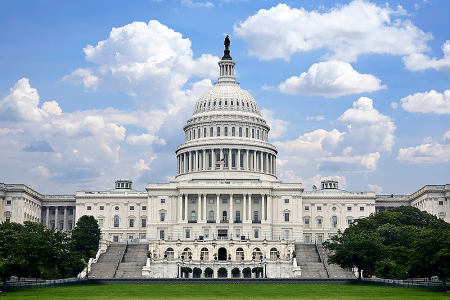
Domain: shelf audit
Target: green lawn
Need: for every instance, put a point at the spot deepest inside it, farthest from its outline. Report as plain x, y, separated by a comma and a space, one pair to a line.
224, 291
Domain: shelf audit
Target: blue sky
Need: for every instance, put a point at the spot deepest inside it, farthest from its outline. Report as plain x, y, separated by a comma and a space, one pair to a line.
95, 91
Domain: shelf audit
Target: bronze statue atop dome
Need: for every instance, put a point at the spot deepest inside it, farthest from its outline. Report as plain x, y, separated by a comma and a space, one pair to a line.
226, 52
227, 42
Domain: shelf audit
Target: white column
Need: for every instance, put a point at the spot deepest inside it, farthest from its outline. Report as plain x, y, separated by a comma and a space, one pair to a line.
247, 159
204, 207
221, 157
56, 217
185, 162
266, 160
255, 161
244, 199
261, 162
250, 213
199, 207
269, 207
231, 208
65, 218
204, 160
180, 207
238, 166
190, 161
217, 209
186, 201
47, 216
263, 210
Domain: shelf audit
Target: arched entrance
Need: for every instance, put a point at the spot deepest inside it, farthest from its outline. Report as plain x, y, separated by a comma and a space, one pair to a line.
222, 253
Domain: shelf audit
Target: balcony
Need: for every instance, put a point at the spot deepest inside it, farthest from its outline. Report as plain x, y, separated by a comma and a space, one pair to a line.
256, 221
237, 221
192, 221
223, 221
211, 221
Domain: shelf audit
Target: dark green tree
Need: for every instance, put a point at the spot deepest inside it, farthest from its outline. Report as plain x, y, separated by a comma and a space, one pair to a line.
86, 236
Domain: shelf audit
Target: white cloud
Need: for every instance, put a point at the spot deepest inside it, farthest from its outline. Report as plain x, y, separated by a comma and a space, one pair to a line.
22, 103
277, 126
144, 139
266, 87
358, 150
143, 59
377, 189
194, 4
331, 79
420, 62
318, 118
428, 102
427, 152
346, 30
394, 105
446, 137
52, 108
8, 130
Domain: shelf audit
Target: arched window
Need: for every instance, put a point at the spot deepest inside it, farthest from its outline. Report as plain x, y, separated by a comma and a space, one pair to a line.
218, 131
220, 102
170, 254
238, 216
273, 253
257, 252
255, 216
116, 221
334, 222
199, 133
211, 132
205, 253
225, 133
233, 160
204, 132
246, 132
226, 102
193, 216
211, 215
233, 131
239, 253
240, 131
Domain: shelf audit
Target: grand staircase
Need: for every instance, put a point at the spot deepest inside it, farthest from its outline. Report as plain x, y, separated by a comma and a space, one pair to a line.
120, 261
313, 260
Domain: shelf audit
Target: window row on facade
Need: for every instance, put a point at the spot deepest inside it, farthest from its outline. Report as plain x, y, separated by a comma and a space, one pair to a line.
225, 131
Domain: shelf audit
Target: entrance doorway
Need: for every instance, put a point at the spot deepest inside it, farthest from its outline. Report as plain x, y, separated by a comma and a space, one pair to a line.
222, 254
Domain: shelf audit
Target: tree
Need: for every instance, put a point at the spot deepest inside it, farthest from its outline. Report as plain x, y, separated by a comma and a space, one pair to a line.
86, 236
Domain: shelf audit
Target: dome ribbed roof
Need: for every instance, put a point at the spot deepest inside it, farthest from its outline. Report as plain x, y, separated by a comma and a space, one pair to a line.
226, 96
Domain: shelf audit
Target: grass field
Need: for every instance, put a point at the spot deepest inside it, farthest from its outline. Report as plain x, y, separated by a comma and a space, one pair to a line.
224, 291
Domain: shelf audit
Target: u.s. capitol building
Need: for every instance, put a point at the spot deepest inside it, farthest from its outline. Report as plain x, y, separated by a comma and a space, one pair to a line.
226, 208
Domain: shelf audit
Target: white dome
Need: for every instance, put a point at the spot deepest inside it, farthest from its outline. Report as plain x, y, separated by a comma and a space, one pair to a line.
226, 96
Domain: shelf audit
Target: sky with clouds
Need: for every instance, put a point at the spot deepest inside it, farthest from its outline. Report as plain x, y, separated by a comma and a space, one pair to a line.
95, 91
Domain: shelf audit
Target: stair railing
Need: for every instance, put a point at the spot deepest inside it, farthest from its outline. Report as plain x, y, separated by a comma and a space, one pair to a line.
322, 260
120, 259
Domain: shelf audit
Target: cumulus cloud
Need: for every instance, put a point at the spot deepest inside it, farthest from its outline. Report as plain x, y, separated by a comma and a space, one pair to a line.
420, 62
427, 152
331, 79
347, 31
194, 4
22, 103
143, 59
428, 102
277, 126
318, 118
357, 150
377, 189
144, 139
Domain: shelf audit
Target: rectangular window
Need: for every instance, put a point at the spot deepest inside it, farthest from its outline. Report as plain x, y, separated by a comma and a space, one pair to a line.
286, 217
224, 201
102, 208
441, 203
306, 223
144, 207
161, 234
286, 201
349, 208
306, 208
115, 238
211, 201
130, 237
131, 222
163, 201
100, 223
144, 223
286, 234
256, 233
8, 202
319, 208
142, 236
319, 223
238, 201
131, 207
255, 201
238, 233
193, 201
89, 208
206, 233
349, 221
361, 208
163, 217
188, 233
